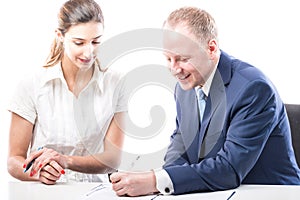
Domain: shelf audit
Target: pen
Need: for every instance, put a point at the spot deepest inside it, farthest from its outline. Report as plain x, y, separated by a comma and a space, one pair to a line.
31, 162
231, 195
111, 174
29, 165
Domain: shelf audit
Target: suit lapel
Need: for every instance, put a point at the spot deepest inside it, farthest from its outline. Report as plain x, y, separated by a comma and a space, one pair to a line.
214, 116
190, 124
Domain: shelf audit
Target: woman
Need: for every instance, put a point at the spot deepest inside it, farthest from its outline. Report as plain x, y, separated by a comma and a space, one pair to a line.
72, 108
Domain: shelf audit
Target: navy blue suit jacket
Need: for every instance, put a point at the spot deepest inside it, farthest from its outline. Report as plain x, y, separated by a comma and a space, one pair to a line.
244, 137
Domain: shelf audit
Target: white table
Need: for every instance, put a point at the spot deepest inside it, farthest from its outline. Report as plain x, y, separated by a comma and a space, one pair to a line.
18, 190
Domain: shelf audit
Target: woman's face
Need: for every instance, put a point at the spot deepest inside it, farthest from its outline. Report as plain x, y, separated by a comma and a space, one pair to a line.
81, 43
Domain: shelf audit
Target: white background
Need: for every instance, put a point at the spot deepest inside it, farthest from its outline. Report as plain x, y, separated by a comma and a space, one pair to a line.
263, 33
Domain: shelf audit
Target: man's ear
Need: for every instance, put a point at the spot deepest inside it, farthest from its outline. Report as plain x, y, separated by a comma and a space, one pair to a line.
213, 45
213, 48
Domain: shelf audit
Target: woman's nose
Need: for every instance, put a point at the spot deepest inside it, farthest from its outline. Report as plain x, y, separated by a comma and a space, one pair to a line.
88, 50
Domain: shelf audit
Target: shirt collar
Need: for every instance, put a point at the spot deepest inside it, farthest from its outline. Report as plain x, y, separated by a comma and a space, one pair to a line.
51, 73
55, 72
206, 87
98, 77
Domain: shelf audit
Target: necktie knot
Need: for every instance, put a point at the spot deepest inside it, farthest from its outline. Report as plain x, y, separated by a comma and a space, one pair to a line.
201, 94
201, 102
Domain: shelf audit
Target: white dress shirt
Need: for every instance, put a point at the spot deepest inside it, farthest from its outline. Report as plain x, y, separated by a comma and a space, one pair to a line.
68, 124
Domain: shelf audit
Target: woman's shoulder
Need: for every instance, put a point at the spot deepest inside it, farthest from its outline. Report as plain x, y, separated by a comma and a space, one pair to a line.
34, 78
111, 76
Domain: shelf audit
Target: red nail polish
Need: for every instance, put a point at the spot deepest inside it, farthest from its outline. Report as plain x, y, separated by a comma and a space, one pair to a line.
62, 172
24, 165
40, 166
31, 174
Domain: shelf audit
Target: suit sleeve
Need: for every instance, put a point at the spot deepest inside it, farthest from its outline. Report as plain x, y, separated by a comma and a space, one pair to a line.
176, 151
248, 126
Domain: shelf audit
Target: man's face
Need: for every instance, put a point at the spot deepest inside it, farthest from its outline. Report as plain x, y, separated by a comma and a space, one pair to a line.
187, 60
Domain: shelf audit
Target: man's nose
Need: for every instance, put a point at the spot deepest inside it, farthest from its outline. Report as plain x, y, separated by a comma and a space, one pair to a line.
174, 67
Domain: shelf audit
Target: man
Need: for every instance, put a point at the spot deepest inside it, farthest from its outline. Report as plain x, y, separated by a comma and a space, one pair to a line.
237, 134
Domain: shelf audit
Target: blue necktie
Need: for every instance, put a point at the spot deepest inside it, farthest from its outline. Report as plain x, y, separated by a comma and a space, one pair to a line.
201, 102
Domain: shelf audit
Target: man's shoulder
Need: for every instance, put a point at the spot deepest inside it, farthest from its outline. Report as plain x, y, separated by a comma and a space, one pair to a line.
239, 67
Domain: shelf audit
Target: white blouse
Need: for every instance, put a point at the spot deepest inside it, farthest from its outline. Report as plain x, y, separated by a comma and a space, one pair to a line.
69, 125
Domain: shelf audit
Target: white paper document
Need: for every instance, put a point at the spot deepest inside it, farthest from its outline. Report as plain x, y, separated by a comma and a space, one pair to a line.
104, 191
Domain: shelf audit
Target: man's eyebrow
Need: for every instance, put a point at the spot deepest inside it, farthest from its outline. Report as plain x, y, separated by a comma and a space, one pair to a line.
176, 54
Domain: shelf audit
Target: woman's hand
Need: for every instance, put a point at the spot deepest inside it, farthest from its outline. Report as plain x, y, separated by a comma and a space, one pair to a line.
50, 163
51, 173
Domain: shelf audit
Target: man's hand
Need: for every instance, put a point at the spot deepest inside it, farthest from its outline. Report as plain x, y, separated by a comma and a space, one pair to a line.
133, 183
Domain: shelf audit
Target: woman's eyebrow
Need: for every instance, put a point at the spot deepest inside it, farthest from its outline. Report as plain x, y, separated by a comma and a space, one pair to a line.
75, 38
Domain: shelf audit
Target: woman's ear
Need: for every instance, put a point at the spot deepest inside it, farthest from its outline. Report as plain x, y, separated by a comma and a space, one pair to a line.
59, 35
